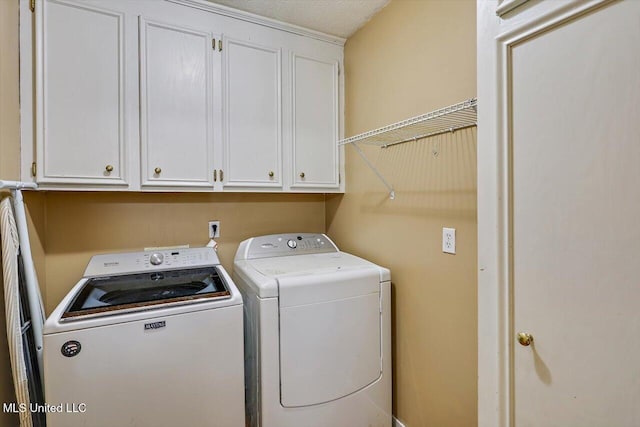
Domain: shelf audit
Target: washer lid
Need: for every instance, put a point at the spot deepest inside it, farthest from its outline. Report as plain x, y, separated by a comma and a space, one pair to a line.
106, 295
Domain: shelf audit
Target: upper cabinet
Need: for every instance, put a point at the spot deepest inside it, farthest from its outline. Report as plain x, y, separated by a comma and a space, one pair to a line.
252, 115
314, 106
176, 107
180, 95
81, 95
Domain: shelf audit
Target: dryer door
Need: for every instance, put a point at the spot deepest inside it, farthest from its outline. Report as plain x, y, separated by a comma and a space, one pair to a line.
329, 335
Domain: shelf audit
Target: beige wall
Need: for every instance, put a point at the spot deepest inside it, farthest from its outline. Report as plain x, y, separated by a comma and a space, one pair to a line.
9, 92
411, 58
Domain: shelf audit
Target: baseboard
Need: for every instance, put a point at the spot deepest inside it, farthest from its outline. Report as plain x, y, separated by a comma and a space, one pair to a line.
397, 423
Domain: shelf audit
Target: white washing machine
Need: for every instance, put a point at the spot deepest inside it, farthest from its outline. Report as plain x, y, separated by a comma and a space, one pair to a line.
147, 339
317, 334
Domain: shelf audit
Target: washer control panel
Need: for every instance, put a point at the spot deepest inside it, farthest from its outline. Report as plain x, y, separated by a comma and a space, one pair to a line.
150, 261
276, 245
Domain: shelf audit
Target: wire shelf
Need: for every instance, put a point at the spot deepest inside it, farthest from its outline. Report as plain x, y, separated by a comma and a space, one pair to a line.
449, 119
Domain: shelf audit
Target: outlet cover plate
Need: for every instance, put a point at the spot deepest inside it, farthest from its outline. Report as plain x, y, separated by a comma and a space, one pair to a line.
211, 224
449, 240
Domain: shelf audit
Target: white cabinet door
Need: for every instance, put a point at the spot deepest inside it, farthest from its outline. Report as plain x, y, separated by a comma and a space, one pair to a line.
252, 112
314, 99
80, 99
176, 105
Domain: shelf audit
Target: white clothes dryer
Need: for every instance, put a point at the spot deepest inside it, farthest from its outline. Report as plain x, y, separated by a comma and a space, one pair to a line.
147, 339
317, 334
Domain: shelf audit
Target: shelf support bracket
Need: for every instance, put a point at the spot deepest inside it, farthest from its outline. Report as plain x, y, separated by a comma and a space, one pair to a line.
392, 193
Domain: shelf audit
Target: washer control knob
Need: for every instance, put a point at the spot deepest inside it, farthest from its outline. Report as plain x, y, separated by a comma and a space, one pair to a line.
156, 259
292, 244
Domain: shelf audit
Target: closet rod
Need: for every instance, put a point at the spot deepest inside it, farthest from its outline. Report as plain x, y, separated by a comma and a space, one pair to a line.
427, 135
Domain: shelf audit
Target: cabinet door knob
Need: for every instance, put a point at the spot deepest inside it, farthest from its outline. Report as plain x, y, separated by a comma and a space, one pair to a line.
525, 339
302, 175
271, 174
109, 168
157, 171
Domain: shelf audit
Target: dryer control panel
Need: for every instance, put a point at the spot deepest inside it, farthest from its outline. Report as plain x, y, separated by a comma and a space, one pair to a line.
276, 245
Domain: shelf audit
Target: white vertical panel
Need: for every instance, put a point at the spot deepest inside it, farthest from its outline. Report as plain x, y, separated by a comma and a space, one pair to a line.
81, 99
252, 114
315, 121
176, 105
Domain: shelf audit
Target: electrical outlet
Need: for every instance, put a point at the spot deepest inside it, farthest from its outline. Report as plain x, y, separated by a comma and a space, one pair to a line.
214, 229
449, 240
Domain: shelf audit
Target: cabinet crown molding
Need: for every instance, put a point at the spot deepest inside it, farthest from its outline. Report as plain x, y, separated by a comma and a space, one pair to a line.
261, 20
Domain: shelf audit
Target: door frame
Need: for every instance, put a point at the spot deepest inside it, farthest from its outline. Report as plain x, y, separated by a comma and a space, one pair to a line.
496, 36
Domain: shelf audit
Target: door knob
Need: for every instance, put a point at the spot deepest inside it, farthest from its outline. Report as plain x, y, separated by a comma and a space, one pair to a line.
109, 168
157, 171
525, 339
302, 175
271, 174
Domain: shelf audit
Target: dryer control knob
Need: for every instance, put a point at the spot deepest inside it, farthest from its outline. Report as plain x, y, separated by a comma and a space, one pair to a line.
156, 259
292, 244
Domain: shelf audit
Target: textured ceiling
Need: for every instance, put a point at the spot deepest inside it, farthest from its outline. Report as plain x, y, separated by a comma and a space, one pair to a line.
337, 17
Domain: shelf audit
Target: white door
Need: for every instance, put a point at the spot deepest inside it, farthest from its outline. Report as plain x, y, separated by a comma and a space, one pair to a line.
80, 96
566, 269
176, 104
314, 99
252, 112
